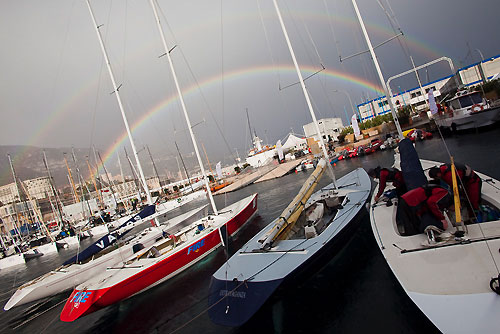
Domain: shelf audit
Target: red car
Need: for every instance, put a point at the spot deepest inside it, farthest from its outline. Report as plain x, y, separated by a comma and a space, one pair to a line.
376, 143
418, 134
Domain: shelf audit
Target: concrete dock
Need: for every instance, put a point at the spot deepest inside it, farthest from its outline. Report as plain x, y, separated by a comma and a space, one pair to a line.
280, 170
247, 179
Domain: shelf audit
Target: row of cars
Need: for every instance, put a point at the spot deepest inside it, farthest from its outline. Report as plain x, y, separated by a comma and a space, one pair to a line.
378, 144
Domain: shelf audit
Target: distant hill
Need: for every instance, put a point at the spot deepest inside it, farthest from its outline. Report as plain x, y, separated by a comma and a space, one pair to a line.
28, 164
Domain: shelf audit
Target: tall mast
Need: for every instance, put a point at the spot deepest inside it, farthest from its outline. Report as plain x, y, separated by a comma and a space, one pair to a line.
52, 186
97, 176
377, 67
70, 178
167, 53
16, 221
249, 127
118, 98
95, 184
306, 95
183, 165
84, 199
134, 174
154, 166
110, 180
121, 168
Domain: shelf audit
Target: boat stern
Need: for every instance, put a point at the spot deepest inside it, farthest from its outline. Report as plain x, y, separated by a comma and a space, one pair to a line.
232, 303
80, 303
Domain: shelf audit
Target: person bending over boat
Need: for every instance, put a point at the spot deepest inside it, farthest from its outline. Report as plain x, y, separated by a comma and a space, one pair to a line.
471, 182
385, 175
421, 207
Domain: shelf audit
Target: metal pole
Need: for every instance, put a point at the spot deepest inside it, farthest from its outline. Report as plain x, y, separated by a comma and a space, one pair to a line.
181, 99
418, 79
118, 98
306, 95
377, 67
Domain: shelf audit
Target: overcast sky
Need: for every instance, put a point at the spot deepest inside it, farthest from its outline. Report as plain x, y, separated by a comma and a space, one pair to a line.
55, 90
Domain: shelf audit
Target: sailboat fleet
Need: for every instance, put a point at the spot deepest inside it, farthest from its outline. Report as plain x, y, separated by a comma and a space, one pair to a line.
457, 271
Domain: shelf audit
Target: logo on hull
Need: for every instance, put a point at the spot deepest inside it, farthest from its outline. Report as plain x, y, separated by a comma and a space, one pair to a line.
196, 247
80, 297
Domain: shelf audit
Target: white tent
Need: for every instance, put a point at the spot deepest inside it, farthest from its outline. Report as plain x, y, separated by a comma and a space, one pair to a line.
294, 142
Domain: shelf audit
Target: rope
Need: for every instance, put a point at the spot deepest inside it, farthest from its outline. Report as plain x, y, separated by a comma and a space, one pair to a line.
251, 277
468, 200
39, 314
198, 85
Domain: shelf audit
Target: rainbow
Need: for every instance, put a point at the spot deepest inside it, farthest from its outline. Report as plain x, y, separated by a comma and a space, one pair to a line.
240, 74
60, 111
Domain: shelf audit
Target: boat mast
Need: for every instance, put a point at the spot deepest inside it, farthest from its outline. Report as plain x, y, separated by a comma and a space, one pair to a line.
154, 167
123, 182
167, 53
118, 98
70, 178
111, 183
183, 165
134, 174
84, 198
306, 95
98, 192
52, 186
250, 128
18, 196
377, 67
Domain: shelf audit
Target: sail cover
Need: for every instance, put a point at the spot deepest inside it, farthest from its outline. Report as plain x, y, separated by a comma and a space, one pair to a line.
411, 168
111, 238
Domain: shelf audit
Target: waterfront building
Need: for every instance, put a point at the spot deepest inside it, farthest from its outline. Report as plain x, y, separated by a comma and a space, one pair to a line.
329, 129
470, 75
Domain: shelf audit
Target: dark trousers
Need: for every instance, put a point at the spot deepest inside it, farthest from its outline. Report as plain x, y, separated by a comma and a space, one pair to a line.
412, 222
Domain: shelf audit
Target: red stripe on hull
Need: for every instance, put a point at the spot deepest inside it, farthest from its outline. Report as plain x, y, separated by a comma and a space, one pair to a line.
186, 256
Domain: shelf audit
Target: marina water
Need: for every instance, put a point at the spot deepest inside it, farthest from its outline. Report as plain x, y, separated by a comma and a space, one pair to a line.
354, 292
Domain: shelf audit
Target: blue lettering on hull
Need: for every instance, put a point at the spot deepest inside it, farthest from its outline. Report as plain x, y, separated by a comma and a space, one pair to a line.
81, 297
196, 247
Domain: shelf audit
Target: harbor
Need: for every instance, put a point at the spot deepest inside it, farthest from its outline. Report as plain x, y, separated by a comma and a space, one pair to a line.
380, 213
358, 278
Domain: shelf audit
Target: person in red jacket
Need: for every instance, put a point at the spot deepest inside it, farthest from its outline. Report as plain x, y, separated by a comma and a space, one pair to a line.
470, 181
385, 175
421, 207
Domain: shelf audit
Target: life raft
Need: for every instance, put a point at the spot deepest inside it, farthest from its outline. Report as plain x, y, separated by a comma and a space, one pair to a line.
477, 108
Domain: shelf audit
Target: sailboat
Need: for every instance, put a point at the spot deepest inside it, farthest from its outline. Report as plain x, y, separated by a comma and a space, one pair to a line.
312, 228
38, 245
455, 281
174, 253
93, 260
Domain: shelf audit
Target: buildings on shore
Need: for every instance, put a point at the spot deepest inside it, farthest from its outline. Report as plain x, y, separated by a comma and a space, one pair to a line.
470, 75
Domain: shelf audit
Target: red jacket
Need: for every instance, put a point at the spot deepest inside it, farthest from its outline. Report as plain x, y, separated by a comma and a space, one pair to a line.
395, 176
425, 199
447, 177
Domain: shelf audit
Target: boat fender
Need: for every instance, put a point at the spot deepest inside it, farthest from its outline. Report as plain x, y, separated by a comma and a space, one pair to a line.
495, 284
477, 108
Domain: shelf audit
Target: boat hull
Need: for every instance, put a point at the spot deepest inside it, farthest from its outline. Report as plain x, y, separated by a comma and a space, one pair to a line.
449, 283
12, 260
63, 279
122, 283
239, 289
470, 121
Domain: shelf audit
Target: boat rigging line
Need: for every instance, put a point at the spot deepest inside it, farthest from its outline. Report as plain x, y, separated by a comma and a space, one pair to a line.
196, 81
475, 216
